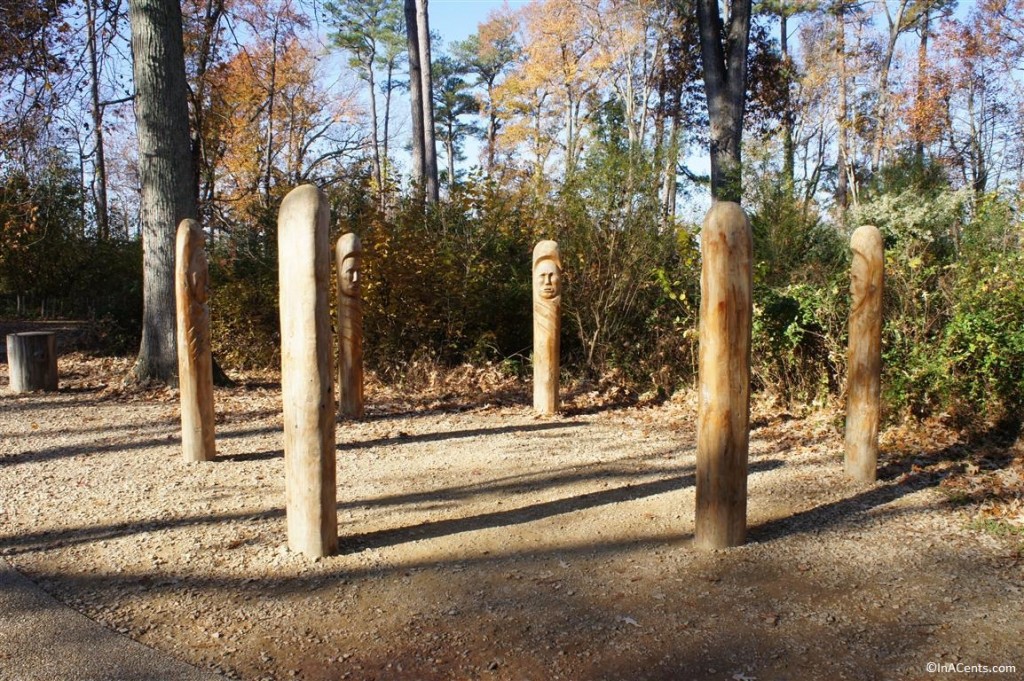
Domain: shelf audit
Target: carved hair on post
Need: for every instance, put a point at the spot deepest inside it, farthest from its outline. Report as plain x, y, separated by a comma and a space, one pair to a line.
547, 270
195, 363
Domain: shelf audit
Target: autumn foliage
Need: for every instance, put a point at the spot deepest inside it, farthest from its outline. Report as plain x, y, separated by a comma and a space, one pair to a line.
582, 122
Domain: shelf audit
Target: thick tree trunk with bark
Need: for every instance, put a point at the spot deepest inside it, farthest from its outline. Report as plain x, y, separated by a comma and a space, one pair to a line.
412, 36
165, 169
426, 77
725, 82
424, 149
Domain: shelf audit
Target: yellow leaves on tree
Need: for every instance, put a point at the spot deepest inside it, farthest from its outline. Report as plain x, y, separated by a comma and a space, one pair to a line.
270, 110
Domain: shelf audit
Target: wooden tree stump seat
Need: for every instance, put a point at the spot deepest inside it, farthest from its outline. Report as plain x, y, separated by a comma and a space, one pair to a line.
32, 361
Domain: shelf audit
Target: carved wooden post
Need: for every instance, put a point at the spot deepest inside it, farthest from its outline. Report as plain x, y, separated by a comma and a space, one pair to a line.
547, 325
32, 361
864, 358
348, 256
724, 402
307, 372
195, 365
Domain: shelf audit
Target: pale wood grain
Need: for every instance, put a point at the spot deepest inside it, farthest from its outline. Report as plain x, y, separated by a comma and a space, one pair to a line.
195, 363
724, 363
307, 372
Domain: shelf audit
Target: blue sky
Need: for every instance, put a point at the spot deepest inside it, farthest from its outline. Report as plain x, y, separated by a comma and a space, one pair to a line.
456, 19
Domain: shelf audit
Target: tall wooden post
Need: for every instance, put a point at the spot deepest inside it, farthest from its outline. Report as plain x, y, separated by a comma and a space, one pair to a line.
864, 359
348, 256
723, 416
547, 325
307, 372
195, 364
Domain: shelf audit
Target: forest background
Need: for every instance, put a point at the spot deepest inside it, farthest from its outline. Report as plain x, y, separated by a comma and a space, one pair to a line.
580, 121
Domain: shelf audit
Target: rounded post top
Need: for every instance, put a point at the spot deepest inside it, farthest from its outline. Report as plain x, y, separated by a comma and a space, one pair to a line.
189, 230
547, 249
349, 245
866, 237
724, 213
303, 194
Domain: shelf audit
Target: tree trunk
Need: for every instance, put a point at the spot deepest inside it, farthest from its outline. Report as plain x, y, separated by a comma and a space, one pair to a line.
202, 165
492, 127
920, 96
427, 101
449, 148
842, 187
725, 83
884, 96
271, 96
100, 181
788, 147
378, 175
670, 183
165, 169
570, 136
419, 179
385, 168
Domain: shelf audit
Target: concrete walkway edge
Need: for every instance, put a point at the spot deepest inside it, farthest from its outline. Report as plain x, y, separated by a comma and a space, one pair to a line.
42, 639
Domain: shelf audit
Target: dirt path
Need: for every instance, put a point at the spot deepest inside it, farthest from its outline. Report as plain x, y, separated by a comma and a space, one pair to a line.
482, 542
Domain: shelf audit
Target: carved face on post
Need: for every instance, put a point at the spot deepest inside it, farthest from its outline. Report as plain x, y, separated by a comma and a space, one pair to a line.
350, 256
349, 276
547, 271
864, 245
547, 306
549, 279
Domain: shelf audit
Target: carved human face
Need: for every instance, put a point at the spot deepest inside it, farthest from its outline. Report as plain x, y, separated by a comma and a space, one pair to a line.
860, 280
348, 277
548, 278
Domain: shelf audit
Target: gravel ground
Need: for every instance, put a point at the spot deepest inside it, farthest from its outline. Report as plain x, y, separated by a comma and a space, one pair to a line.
479, 541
